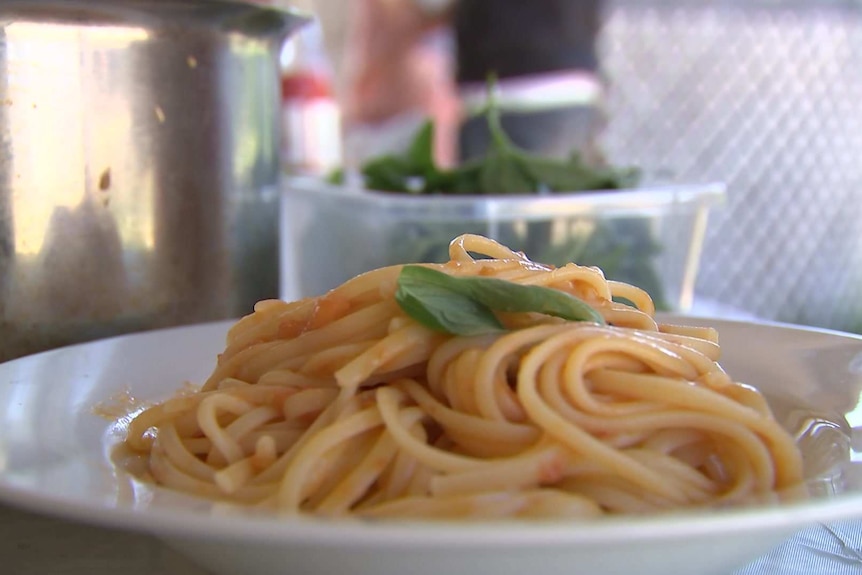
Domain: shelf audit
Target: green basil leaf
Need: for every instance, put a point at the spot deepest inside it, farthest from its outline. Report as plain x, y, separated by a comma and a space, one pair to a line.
506, 296
387, 174
559, 175
502, 173
420, 154
430, 300
461, 180
504, 169
465, 305
500, 141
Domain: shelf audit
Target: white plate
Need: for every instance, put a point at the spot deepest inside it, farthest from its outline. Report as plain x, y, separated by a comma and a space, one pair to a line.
55, 457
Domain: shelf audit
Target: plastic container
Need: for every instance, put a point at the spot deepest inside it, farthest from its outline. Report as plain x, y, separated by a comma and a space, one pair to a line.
650, 237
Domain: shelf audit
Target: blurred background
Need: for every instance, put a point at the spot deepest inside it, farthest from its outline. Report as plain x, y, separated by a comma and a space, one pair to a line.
168, 126
765, 96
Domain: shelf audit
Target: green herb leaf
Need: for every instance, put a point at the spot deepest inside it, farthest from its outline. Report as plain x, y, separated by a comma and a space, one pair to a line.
465, 305
461, 180
430, 299
560, 175
500, 142
420, 155
503, 173
504, 169
388, 174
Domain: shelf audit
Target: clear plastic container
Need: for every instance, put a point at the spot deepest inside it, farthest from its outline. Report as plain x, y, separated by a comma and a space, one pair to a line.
650, 237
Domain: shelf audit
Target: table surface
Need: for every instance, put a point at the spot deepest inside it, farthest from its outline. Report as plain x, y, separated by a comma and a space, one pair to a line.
36, 545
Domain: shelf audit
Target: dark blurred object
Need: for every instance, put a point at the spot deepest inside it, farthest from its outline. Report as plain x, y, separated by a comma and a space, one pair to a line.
138, 165
515, 38
396, 72
543, 54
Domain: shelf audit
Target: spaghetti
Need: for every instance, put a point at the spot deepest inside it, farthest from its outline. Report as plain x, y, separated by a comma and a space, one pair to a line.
344, 404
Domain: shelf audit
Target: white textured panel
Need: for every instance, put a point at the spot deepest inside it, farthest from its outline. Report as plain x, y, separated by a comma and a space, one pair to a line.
767, 98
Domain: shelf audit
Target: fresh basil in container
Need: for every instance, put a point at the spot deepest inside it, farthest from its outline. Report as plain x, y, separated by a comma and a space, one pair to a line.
406, 209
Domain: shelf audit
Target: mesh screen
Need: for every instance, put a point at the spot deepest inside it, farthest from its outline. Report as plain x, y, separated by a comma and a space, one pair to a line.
766, 97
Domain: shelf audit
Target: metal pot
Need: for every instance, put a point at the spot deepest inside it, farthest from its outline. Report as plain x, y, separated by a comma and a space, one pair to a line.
138, 165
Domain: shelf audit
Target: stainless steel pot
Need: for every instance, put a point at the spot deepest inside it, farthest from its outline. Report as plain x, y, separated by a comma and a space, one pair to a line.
138, 165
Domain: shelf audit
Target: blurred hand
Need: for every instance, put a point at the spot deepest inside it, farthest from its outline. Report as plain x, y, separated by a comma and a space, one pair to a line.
391, 69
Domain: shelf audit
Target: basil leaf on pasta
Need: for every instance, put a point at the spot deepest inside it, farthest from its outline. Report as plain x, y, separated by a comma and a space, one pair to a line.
465, 305
430, 299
